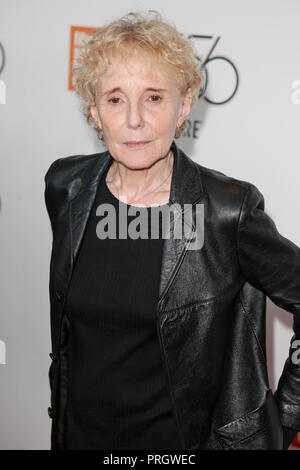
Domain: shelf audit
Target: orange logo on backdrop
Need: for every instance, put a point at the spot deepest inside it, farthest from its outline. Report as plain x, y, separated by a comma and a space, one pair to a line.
79, 35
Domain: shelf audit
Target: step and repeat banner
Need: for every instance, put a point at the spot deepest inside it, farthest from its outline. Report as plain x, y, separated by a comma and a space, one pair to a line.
245, 124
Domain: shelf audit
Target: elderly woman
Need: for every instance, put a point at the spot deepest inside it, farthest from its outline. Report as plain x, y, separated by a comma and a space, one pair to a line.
159, 342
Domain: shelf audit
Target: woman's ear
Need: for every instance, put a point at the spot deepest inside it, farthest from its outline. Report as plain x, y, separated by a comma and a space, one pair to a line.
95, 115
185, 106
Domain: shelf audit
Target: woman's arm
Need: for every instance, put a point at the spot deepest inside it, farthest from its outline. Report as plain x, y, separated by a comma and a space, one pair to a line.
46, 191
271, 263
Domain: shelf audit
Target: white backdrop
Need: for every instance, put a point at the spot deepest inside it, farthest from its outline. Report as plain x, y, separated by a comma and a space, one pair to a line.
254, 137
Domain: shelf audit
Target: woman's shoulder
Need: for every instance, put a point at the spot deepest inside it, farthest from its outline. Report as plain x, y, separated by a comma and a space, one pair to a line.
65, 176
216, 181
65, 168
219, 177
216, 184
225, 192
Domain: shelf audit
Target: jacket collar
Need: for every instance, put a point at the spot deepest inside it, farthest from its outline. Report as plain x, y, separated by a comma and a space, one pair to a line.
186, 188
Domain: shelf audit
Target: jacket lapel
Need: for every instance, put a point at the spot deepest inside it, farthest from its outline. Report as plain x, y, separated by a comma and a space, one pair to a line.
186, 188
81, 205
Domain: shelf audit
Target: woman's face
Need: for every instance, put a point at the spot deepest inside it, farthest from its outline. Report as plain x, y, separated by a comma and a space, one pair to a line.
138, 106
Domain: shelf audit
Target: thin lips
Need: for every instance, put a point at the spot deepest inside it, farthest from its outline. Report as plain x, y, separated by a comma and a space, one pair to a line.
137, 142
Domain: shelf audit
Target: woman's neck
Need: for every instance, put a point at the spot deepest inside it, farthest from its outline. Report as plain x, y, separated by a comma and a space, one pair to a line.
150, 186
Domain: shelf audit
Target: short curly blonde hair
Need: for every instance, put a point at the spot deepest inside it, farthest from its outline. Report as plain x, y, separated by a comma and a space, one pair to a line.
154, 36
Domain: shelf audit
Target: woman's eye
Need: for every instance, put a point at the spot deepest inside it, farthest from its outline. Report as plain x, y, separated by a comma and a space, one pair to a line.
114, 100
156, 98
153, 99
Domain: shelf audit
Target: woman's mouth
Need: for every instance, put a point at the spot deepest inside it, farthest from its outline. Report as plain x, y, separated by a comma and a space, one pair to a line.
136, 144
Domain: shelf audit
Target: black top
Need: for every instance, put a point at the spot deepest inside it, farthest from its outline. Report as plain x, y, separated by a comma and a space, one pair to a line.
118, 394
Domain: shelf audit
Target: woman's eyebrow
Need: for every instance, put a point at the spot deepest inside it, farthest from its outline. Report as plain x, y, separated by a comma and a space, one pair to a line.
157, 90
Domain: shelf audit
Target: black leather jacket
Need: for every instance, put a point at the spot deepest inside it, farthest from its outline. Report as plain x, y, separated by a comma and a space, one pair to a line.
211, 308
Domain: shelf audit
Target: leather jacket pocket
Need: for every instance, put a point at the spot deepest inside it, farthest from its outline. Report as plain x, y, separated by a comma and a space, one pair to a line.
259, 429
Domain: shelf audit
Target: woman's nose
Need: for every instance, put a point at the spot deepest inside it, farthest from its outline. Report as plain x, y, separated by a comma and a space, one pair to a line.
134, 115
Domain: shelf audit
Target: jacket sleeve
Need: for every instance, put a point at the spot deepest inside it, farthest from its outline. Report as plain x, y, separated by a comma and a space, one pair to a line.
47, 194
271, 263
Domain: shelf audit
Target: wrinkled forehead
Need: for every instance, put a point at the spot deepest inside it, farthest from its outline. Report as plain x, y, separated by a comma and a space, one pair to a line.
135, 62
